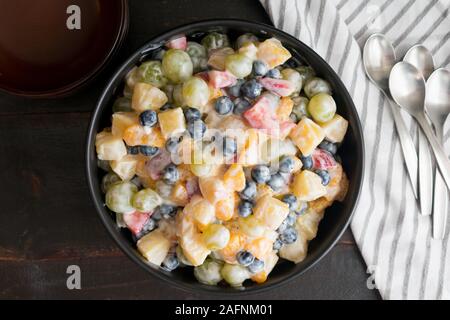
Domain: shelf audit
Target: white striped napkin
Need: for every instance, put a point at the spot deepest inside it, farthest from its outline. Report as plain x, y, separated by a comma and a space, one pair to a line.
395, 240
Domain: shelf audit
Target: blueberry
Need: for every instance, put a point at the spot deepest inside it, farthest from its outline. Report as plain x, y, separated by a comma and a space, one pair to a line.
260, 68
276, 182
256, 266
287, 164
291, 200
148, 150
235, 90
156, 216
170, 263
291, 219
196, 129
307, 162
172, 144
167, 211
325, 176
192, 114
301, 208
261, 174
229, 147
240, 106
251, 89
277, 245
149, 225
245, 258
245, 209
133, 150
283, 226
249, 192
328, 146
171, 174
274, 73
294, 117
289, 236
223, 105
148, 118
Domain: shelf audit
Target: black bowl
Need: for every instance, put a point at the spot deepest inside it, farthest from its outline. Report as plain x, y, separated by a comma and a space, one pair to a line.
337, 217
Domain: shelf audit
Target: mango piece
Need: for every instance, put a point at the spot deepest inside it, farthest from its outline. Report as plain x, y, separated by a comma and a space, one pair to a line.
307, 135
147, 97
284, 109
154, 247
335, 129
121, 121
136, 135
307, 186
234, 177
172, 122
213, 189
125, 168
273, 53
271, 212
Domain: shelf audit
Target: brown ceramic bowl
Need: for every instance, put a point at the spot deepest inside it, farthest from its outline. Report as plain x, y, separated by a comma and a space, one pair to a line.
50, 48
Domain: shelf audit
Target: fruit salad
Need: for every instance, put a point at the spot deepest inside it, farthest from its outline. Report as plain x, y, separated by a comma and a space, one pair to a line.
222, 156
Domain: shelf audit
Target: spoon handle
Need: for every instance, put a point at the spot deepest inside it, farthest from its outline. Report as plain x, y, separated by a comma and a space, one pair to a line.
425, 176
407, 144
440, 203
441, 159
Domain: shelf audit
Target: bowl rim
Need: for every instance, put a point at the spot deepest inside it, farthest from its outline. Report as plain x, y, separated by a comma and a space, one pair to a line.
89, 76
105, 215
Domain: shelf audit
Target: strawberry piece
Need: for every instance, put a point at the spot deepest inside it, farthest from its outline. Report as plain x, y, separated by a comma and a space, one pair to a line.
136, 221
262, 115
178, 43
221, 79
323, 160
283, 88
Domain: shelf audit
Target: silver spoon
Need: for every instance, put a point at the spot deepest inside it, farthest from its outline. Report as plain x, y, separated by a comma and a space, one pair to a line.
407, 87
437, 103
379, 58
421, 58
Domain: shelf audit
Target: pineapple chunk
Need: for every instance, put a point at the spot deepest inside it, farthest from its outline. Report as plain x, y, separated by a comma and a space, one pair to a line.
147, 97
284, 109
271, 212
335, 129
225, 209
125, 168
172, 122
273, 53
136, 135
121, 121
309, 224
260, 248
295, 252
189, 237
154, 247
204, 214
109, 147
307, 186
235, 178
269, 263
179, 194
274, 148
307, 135
213, 189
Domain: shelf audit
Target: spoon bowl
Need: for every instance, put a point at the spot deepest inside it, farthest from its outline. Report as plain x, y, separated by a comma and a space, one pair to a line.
421, 58
407, 87
437, 98
379, 58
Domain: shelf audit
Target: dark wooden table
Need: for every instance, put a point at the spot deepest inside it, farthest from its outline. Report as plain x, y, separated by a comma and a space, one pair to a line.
47, 220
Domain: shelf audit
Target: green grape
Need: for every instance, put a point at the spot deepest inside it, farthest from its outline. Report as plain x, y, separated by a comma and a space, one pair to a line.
118, 197
316, 85
151, 72
146, 200
109, 180
251, 226
235, 275
195, 92
122, 104
322, 108
239, 65
300, 108
216, 236
306, 73
209, 272
177, 95
246, 38
294, 77
177, 65
215, 40
198, 55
